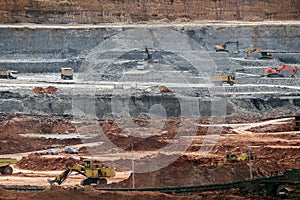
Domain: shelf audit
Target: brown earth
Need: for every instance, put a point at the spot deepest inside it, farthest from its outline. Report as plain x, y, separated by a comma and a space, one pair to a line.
80, 194
12, 126
38, 163
88, 193
275, 128
188, 171
112, 11
47, 90
275, 149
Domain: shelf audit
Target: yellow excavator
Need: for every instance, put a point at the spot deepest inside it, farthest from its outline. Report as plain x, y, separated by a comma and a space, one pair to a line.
223, 47
94, 174
265, 54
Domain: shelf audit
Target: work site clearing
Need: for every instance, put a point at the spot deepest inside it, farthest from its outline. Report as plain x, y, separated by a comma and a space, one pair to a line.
274, 145
169, 108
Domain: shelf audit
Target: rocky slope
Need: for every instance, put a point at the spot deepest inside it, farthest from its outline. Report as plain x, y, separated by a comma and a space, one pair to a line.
108, 11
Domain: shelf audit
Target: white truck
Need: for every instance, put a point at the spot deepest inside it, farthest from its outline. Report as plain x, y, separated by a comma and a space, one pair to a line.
9, 74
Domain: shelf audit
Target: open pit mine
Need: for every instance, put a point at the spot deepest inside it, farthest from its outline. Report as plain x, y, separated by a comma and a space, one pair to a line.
149, 99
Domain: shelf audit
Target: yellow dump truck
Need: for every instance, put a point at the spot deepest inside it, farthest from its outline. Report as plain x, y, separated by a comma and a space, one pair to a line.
66, 73
219, 80
5, 163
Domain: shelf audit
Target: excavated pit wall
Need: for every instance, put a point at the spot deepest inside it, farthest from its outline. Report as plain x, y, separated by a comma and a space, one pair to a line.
32, 48
62, 104
37, 49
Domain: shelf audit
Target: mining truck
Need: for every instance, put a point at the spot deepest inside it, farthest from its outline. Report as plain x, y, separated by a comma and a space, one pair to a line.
9, 74
219, 80
5, 163
66, 73
94, 173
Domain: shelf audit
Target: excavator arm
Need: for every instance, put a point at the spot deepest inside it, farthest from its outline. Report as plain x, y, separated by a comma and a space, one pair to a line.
223, 47
294, 71
65, 174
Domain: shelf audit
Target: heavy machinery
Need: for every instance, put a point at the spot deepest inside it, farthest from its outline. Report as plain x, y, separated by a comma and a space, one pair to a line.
277, 72
265, 54
94, 173
66, 73
5, 163
232, 158
297, 122
219, 80
147, 54
223, 47
9, 74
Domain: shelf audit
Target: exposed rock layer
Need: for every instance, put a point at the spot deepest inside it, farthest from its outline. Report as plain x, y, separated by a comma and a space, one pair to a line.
107, 11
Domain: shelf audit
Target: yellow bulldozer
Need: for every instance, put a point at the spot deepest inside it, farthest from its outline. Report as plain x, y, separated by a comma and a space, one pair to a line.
94, 173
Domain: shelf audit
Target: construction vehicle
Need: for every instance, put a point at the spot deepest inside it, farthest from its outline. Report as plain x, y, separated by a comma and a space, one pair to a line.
140, 65
223, 47
5, 167
66, 73
147, 54
94, 173
297, 122
277, 72
9, 74
219, 80
265, 54
232, 158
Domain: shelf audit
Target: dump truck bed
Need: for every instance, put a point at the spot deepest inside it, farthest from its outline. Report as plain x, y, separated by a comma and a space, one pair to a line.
7, 161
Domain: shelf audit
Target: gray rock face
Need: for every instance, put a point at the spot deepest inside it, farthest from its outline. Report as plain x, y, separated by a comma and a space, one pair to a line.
11, 106
33, 48
61, 105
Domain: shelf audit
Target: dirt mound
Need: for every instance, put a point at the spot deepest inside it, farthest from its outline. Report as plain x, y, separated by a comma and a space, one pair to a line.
188, 171
274, 128
36, 124
14, 143
47, 90
38, 163
123, 140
